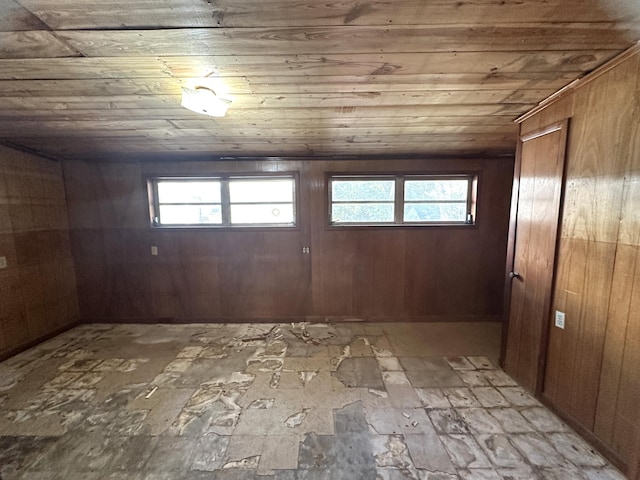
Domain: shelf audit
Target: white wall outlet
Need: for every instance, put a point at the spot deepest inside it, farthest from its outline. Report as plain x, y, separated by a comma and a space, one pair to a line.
3, 262
154, 250
559, 319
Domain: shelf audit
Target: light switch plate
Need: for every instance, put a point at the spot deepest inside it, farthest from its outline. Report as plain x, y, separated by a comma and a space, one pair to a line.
559, 319
154, 250
3, 262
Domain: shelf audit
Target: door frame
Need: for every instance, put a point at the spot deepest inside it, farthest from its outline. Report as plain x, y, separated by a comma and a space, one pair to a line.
563, 127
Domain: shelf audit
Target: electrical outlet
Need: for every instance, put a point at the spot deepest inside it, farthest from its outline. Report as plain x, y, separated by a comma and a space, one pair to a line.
3, 262
154, 250
560, 319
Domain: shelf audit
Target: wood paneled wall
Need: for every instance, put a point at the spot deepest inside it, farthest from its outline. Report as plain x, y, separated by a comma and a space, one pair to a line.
419, 274
593, 365
38, 287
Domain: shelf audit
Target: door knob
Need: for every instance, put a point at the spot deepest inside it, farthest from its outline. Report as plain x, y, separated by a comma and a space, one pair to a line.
514, 275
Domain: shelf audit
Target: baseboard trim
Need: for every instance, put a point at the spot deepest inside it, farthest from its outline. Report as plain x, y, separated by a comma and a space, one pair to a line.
32, 343
310, 319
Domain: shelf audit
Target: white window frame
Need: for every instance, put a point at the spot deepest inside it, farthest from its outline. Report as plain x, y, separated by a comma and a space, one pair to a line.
399, 200
225, 204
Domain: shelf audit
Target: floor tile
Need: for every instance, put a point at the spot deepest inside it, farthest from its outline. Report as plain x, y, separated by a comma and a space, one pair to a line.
543, 420
302, 401
511, 420
465, 452
432, 398
537, 450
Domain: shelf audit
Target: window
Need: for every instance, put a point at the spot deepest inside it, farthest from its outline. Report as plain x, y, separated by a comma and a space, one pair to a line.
440, 200
188, 202
226, 201
365, 200
402, 199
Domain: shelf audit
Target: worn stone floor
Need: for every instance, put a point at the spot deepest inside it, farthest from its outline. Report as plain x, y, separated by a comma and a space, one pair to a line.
292, 402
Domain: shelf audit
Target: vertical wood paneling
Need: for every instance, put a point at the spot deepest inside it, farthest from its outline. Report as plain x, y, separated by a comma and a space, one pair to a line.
634, 472
593, 373
263, 275
436, 284
615, 339
629, 233
38, 287
374, 273
333, 266
121, 183
590, 332
627, 418
379, 273
627, 424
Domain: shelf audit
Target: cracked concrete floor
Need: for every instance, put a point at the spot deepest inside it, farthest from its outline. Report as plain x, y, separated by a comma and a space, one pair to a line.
293, 401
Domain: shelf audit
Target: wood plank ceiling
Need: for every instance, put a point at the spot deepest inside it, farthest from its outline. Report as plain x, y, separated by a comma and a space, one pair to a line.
336, 77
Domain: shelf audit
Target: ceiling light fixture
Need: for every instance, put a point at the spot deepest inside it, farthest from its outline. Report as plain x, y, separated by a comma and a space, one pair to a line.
204, 100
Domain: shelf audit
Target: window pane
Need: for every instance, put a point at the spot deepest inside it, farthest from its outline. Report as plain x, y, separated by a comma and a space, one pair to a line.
435, 190
435, 212
261, 190
262, 213
186, 191
362, 190
190, 214
362, 212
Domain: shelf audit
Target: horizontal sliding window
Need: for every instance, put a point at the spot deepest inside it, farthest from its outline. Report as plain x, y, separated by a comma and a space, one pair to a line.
436, 200
401, 199
189, 202
261, 201
362, 200
227, 201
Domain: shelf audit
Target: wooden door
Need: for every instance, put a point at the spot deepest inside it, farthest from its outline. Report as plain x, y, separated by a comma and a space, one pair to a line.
535, 215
